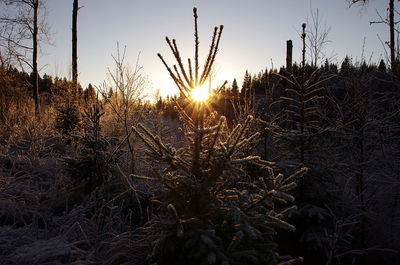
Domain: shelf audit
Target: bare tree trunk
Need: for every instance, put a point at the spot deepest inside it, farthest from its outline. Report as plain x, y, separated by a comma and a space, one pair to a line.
302, 94
75, 47
289, 53
392, 44
360, 178
303, 36
34, 59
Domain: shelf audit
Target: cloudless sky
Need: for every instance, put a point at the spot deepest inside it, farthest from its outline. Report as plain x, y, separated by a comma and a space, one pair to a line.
255, 34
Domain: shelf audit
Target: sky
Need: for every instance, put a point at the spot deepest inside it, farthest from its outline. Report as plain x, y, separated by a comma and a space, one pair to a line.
253, 39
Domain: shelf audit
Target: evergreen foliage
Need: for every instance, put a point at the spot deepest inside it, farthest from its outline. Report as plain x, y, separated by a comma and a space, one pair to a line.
235, 88
68, 118
94, 163
207, 206
342, 147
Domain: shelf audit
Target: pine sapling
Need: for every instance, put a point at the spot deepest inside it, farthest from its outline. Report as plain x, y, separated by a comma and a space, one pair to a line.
209, 211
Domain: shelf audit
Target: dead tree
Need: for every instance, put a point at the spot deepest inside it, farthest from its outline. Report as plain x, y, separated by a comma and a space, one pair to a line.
317, 38
35, 5
75, 47
389, 20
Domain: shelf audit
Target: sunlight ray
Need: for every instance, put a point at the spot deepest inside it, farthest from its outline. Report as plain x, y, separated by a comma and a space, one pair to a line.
200, 93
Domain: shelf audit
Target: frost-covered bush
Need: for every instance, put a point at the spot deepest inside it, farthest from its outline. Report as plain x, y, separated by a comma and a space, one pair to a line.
207, 206
94, 160
68, 118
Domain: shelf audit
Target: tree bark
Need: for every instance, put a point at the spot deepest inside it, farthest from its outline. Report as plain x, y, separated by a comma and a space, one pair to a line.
303, 37
289, 53
392, 44
75, 47
34, 59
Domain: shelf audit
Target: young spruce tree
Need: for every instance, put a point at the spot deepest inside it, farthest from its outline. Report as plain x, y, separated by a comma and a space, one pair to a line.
208, 210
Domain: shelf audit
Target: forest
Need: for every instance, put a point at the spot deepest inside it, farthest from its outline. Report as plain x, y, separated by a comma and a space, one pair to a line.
295, 165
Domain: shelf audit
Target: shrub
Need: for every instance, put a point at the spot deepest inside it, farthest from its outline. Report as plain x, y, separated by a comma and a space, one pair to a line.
94, 160
68, 118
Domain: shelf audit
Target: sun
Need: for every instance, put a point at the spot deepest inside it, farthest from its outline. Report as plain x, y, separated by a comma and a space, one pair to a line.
200, 93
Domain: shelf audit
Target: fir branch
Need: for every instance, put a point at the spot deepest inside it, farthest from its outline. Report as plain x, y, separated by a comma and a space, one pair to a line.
196, 44
214, 55
280, 223
208, 60
244, 160
215, 137
182, 88
240, 134
282, 195
179, 60
190, 72
295, 175
184, 115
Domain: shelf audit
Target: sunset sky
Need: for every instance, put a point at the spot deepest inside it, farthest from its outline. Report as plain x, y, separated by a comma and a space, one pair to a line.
255, 34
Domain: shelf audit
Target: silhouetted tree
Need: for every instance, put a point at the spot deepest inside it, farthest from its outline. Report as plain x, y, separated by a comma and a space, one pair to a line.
382, 66
245, 92
20, 26
235, 88
89, 94
207, 205
317, 38
303, 37
391, 23
346, 68
75, 46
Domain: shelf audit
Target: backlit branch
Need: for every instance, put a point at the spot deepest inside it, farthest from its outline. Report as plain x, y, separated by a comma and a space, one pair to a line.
183, 80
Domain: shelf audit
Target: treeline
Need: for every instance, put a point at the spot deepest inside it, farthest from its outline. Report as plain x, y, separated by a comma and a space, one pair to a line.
269, 85
16, 93
16, 87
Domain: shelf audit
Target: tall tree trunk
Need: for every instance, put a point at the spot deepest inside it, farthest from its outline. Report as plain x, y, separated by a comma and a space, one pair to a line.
289, 55
360, 178
289, 52
303, 36
34, 59
392, 44
75, 47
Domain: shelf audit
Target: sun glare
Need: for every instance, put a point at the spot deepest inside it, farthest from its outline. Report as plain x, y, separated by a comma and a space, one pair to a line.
200, 93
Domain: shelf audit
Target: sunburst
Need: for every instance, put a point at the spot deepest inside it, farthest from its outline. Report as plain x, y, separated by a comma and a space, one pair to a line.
200, 93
